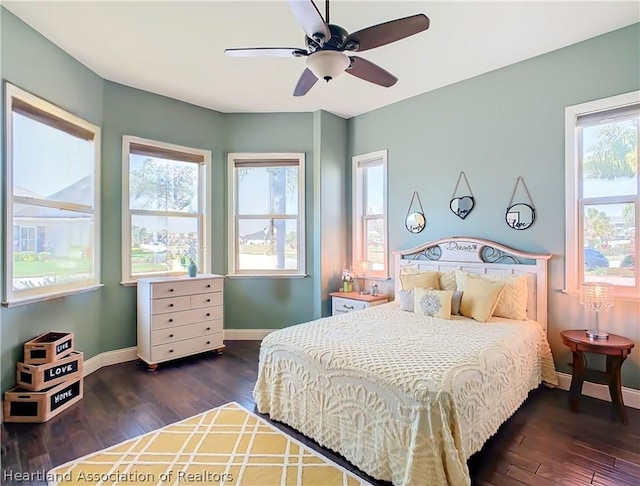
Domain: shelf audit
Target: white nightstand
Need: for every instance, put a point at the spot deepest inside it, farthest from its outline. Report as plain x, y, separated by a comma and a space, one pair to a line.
343, 302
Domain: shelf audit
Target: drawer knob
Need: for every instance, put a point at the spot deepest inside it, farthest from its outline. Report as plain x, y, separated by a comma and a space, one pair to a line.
170, 320
171, 350
170, 335
170, 290
208, 286
170, 305
208, 329
208, 300
350, 307
208, 314
208, 342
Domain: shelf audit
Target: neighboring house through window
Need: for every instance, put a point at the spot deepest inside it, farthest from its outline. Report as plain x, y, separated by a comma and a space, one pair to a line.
603, 194
52, 197
369, 254
266, 214
166, 200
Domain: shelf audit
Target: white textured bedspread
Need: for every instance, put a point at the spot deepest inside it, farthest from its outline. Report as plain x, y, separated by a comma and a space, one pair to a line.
404, 397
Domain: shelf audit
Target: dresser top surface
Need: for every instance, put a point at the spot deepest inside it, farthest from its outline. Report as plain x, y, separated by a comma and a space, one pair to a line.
179, 278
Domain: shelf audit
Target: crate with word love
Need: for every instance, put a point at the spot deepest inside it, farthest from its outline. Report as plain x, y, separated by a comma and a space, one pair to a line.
48, 381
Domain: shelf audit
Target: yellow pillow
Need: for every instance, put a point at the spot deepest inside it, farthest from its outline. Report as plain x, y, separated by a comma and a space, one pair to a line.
448, 280
513, 301
427, 280
479, 298
436, 303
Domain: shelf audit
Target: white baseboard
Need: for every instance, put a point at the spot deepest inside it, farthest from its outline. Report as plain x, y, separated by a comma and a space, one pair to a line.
630, 396
246, 334
108, 358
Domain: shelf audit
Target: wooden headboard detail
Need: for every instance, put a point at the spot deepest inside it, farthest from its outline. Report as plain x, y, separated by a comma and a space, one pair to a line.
484, 257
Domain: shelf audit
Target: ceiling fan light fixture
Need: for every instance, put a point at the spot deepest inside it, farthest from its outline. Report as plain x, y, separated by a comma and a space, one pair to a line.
328, 64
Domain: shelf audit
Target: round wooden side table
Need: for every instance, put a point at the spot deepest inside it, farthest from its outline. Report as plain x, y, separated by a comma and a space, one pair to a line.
616, 349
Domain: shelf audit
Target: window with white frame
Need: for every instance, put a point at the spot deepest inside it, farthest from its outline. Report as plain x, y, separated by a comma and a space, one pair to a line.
369, 255
52, 199
166, 198
266, 214
603, 194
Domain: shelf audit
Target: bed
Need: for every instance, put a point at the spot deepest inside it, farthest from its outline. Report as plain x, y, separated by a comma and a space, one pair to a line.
405, 397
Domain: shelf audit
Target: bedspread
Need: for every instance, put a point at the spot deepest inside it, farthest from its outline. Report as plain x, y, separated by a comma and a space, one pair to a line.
404, 397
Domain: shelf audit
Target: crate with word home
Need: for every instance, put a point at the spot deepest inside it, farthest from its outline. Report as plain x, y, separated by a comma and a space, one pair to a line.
21, 405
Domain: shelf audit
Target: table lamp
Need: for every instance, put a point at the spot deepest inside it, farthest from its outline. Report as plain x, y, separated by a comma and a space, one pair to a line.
598, 297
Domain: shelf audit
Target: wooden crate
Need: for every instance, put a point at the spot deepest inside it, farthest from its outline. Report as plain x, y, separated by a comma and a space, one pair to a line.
48, 347
22, 405
38, 377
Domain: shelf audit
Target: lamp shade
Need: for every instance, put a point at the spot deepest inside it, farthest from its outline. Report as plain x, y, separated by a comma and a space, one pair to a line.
597, 296
328, 64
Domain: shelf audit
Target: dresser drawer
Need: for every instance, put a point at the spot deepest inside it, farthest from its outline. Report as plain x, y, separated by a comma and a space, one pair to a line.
172, 334
185, 287
174, 319
347, 305
199, 344
171, 304
206, 300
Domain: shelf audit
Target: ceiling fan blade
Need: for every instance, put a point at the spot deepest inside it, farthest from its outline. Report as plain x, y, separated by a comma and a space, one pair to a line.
266, 52
305, 83
310, 19
363, 69
382, 34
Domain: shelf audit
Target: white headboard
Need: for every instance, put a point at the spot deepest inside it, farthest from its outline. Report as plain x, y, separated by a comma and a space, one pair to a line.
481, 256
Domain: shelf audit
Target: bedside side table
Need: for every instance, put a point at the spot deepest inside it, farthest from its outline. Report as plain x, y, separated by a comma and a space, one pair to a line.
343, 302
616, 349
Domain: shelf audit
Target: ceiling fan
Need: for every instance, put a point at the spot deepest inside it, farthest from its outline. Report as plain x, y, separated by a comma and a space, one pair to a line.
327, 45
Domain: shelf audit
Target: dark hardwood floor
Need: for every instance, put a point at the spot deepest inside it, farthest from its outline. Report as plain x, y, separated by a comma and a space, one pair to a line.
543, 443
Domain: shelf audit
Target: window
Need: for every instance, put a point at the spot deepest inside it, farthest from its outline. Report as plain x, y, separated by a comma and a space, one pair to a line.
166, 196
603, 194
52, 228
266, 220
369, 254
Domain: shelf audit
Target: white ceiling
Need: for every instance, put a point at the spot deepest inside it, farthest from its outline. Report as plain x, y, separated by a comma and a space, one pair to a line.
175, 48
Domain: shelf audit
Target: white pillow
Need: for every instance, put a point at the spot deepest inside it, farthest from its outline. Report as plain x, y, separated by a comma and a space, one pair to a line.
435, 303
512, 302
406, 300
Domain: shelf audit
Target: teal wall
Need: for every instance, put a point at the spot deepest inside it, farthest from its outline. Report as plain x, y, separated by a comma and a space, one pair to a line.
330, 196
268, 303
33, 63
496, 127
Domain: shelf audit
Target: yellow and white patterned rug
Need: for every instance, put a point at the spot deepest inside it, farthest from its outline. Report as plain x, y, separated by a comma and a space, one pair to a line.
227, 445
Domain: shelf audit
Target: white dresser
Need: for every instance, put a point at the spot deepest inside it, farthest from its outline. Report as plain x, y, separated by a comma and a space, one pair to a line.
179, 316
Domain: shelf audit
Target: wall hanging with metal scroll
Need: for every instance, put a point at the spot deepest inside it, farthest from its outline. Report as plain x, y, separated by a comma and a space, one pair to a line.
462, 205
520, 215
415, 220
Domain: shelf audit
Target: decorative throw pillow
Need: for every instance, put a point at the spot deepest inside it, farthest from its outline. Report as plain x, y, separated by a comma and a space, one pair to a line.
448, 280
512, 303
436, 303
456, 299
406, 300
479, 298
427, 280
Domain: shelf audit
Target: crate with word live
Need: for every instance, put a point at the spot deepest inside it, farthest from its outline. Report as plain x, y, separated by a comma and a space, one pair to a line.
22, 405
48, 347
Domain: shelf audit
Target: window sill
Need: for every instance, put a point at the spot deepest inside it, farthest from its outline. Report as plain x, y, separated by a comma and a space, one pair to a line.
267, 275
41, 298
130, 283
624, 297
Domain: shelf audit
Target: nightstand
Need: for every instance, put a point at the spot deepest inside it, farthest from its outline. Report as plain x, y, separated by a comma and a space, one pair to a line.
343, 302
616, 349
